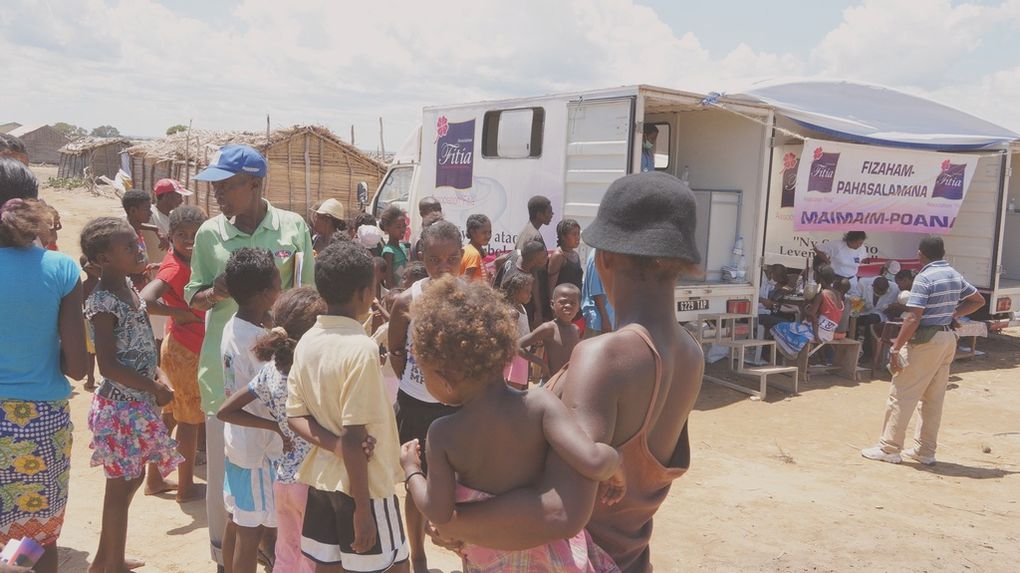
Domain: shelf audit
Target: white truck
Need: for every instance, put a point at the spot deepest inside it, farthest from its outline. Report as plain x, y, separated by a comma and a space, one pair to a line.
491, 157
984, 242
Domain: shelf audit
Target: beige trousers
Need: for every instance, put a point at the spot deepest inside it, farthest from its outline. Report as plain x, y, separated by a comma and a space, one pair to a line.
922, 385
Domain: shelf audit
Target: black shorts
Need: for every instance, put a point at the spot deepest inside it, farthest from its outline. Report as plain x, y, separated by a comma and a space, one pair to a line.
414, 418
328, 532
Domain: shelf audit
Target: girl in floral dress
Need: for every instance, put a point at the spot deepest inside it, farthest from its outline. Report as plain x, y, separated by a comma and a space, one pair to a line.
127, 430
294, 313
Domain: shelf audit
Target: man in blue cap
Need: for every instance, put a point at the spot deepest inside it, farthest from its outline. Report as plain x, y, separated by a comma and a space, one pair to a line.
246, 219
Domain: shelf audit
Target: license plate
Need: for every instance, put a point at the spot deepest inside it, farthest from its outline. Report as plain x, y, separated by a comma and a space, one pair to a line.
693, 304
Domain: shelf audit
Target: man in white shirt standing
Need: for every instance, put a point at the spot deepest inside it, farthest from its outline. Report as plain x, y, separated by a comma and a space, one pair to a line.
844, 256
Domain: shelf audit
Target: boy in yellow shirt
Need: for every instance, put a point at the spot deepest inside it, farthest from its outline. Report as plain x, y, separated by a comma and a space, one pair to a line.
336, 399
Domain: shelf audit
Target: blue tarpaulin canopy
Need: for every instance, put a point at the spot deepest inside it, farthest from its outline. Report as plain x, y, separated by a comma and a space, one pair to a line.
877, 115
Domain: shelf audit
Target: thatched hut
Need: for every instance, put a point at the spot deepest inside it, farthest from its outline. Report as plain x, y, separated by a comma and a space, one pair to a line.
307, 164
42, 142
100, 155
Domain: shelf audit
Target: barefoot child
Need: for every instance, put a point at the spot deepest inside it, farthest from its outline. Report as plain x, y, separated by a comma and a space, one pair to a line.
179, 353
253, 281
416, 407
127, 431
558, 336
335, 401
393, 222
479, 233
498, 440
518, 290
293, 314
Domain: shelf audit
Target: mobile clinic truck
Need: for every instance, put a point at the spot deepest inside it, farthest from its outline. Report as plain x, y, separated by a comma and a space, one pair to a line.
899, 133
491, 157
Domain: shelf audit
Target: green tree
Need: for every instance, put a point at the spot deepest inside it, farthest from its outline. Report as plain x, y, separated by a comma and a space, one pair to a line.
176, 128
70, 131
105, 131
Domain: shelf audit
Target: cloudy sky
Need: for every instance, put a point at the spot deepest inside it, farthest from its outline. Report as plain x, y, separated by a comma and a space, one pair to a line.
143, 65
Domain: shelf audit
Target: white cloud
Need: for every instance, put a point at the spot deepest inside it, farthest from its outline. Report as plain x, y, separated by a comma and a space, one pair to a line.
143, 67
902, 41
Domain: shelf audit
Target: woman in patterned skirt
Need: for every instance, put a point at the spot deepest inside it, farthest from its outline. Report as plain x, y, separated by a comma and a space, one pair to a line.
43, 337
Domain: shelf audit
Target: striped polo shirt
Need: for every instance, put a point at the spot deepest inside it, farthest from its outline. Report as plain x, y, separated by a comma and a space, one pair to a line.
938, 289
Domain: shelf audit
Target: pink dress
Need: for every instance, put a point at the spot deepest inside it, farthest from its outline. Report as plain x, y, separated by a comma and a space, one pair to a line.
579, 554
517, 370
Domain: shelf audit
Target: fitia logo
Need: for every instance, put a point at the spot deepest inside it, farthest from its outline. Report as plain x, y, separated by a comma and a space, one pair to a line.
823, 171
949, 183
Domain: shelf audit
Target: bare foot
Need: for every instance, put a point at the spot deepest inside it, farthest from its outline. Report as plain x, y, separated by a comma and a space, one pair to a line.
419, 566
193, 493
160, 486
90, 386
129, 565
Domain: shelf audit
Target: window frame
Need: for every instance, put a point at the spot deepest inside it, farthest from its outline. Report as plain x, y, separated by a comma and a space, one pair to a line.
490, 131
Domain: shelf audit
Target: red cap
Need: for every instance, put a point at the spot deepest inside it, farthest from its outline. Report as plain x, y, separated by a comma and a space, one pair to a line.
164, 186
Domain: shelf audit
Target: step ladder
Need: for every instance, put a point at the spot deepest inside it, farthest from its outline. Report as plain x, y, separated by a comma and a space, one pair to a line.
738, 352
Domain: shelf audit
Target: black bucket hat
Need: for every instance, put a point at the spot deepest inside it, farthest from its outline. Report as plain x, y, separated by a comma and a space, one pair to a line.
649, 215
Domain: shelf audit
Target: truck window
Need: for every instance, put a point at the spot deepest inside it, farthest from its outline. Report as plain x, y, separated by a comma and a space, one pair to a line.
513, 133
396, 189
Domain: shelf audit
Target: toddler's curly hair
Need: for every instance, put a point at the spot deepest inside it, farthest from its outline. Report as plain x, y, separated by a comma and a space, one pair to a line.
464, 329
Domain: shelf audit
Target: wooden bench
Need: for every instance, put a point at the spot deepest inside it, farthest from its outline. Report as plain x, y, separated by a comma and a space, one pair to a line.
847, 352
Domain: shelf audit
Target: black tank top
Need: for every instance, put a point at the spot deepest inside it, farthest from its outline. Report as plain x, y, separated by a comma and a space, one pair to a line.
570, 272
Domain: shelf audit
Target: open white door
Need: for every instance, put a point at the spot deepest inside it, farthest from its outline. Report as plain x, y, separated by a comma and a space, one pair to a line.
598, 153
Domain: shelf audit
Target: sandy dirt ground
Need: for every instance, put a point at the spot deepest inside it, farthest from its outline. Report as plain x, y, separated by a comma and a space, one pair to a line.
777, 485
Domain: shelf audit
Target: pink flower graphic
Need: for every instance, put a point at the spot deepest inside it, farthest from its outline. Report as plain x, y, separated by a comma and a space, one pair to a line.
818, 153
946, 165
789, 161
442, 126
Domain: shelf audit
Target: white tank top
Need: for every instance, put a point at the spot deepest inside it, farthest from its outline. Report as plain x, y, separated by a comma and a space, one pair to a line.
412, 382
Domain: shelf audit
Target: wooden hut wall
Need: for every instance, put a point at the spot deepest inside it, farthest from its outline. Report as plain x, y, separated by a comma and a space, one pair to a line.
43, 145
72, 165
105, 160
307, 168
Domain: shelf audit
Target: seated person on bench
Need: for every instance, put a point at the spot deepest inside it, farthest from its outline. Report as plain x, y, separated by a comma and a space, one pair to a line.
877, 294
775, 286
822, 318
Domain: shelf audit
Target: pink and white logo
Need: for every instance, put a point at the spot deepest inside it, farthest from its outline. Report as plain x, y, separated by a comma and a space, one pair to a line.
823, 171
442, 126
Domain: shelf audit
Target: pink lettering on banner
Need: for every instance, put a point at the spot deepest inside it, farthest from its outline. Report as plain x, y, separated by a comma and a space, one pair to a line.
867, 188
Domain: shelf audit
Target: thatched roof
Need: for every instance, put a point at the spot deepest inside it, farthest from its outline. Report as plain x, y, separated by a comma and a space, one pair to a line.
90, 143
180, 145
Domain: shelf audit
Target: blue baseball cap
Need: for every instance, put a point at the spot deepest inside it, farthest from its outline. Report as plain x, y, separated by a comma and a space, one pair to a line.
233, 159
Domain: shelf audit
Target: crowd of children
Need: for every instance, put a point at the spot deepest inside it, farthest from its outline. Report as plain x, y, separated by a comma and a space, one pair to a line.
322, 386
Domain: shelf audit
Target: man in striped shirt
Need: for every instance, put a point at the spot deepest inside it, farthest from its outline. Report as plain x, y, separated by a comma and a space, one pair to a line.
921, 356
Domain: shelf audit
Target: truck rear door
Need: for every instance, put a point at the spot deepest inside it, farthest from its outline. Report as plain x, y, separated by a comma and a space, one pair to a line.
599, 148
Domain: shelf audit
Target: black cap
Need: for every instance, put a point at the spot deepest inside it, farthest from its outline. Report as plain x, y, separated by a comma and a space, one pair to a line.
649, 215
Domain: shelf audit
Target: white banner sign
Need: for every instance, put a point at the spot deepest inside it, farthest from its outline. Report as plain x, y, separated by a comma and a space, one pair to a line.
848, 187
